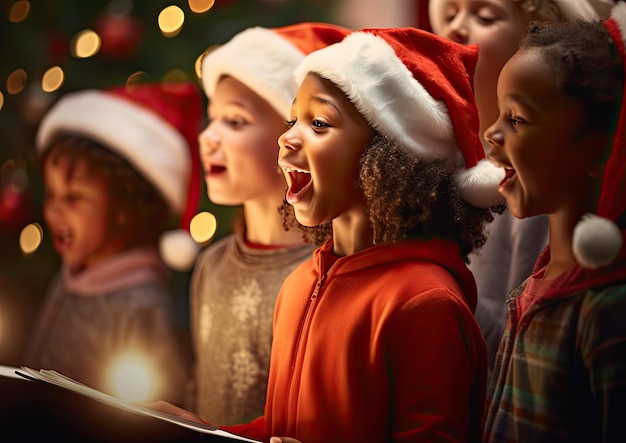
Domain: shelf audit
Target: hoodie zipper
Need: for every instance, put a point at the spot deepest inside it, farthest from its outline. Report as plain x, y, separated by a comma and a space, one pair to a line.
291, 406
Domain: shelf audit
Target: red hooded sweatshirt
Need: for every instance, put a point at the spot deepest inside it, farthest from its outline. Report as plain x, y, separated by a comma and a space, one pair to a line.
376, 346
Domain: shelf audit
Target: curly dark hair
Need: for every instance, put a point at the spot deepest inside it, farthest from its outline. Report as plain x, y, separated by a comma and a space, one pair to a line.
145, 212
408, 197
586, 63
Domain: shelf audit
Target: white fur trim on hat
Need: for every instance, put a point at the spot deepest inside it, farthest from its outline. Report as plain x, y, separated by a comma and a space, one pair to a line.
479, 185
114, 122
259, 58
385, 92
619, 14
597, 241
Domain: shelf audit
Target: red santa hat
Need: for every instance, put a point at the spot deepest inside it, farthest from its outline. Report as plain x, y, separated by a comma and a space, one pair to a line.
597, 237
415, 88
264, 59
154, 126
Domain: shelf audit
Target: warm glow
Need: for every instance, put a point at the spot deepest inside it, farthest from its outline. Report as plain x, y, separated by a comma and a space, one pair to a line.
19, 11
85, 44
1, 100
16, 81
200, 6
202, 227
175, 75
30, 238
132, 377
198, 63
52, 79
171, 21
136, 78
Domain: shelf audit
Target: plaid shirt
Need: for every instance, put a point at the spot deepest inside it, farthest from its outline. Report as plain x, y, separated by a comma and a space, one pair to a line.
560, 373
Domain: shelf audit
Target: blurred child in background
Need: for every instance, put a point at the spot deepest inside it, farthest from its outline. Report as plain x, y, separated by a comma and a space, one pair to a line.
118, 165
250, 86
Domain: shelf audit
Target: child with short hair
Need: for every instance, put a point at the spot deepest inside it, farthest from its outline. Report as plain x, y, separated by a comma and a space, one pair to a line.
560, 374
374, 337
250, 86
512, 245
119, 165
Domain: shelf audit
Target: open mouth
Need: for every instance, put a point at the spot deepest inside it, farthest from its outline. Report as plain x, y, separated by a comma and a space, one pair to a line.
216, 169
61, 239
508, 176
299, 182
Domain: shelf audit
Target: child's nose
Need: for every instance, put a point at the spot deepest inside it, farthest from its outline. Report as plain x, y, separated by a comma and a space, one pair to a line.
289, 139
208, 140
457, 30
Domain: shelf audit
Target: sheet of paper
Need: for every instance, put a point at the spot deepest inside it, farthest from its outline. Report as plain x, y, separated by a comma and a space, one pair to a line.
61, 380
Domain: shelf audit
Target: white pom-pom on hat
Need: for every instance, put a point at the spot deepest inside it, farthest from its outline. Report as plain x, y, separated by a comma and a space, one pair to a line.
597, 241
178, 249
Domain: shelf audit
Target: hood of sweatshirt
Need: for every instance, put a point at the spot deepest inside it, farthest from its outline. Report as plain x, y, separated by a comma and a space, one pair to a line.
445, 253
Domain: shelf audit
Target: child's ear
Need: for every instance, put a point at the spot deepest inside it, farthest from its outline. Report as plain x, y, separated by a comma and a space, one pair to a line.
603, 143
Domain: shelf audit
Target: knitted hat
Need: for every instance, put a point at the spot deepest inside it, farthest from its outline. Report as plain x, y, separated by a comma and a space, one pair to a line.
597, 238
415, 88
154, 126
586, 9
264, 59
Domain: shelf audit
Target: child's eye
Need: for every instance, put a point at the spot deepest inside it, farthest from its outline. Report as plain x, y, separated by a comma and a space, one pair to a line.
236, 122
486, 16
290, 123
317, 123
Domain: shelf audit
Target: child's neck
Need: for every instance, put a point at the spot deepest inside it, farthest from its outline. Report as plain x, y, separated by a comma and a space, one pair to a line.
351, 234
561, 252
264, 226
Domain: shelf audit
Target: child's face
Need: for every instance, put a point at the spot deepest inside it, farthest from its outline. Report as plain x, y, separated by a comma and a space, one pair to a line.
239, 147
76, 211
538, 140
496, 26
320, 153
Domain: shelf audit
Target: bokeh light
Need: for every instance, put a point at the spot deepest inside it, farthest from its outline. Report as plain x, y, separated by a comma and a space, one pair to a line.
136, 78
30, 238
198, 62
132, 377
202, 227
1, 100
85, 44
19, 11
16, 81
200, 6
52, 79
175, 75
171, 21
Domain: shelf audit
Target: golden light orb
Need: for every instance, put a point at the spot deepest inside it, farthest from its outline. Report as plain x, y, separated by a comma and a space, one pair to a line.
30, 238
132, 377
171, 21
16, 81
202, 227
19, 11
52, 79
85, 44
200, 6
